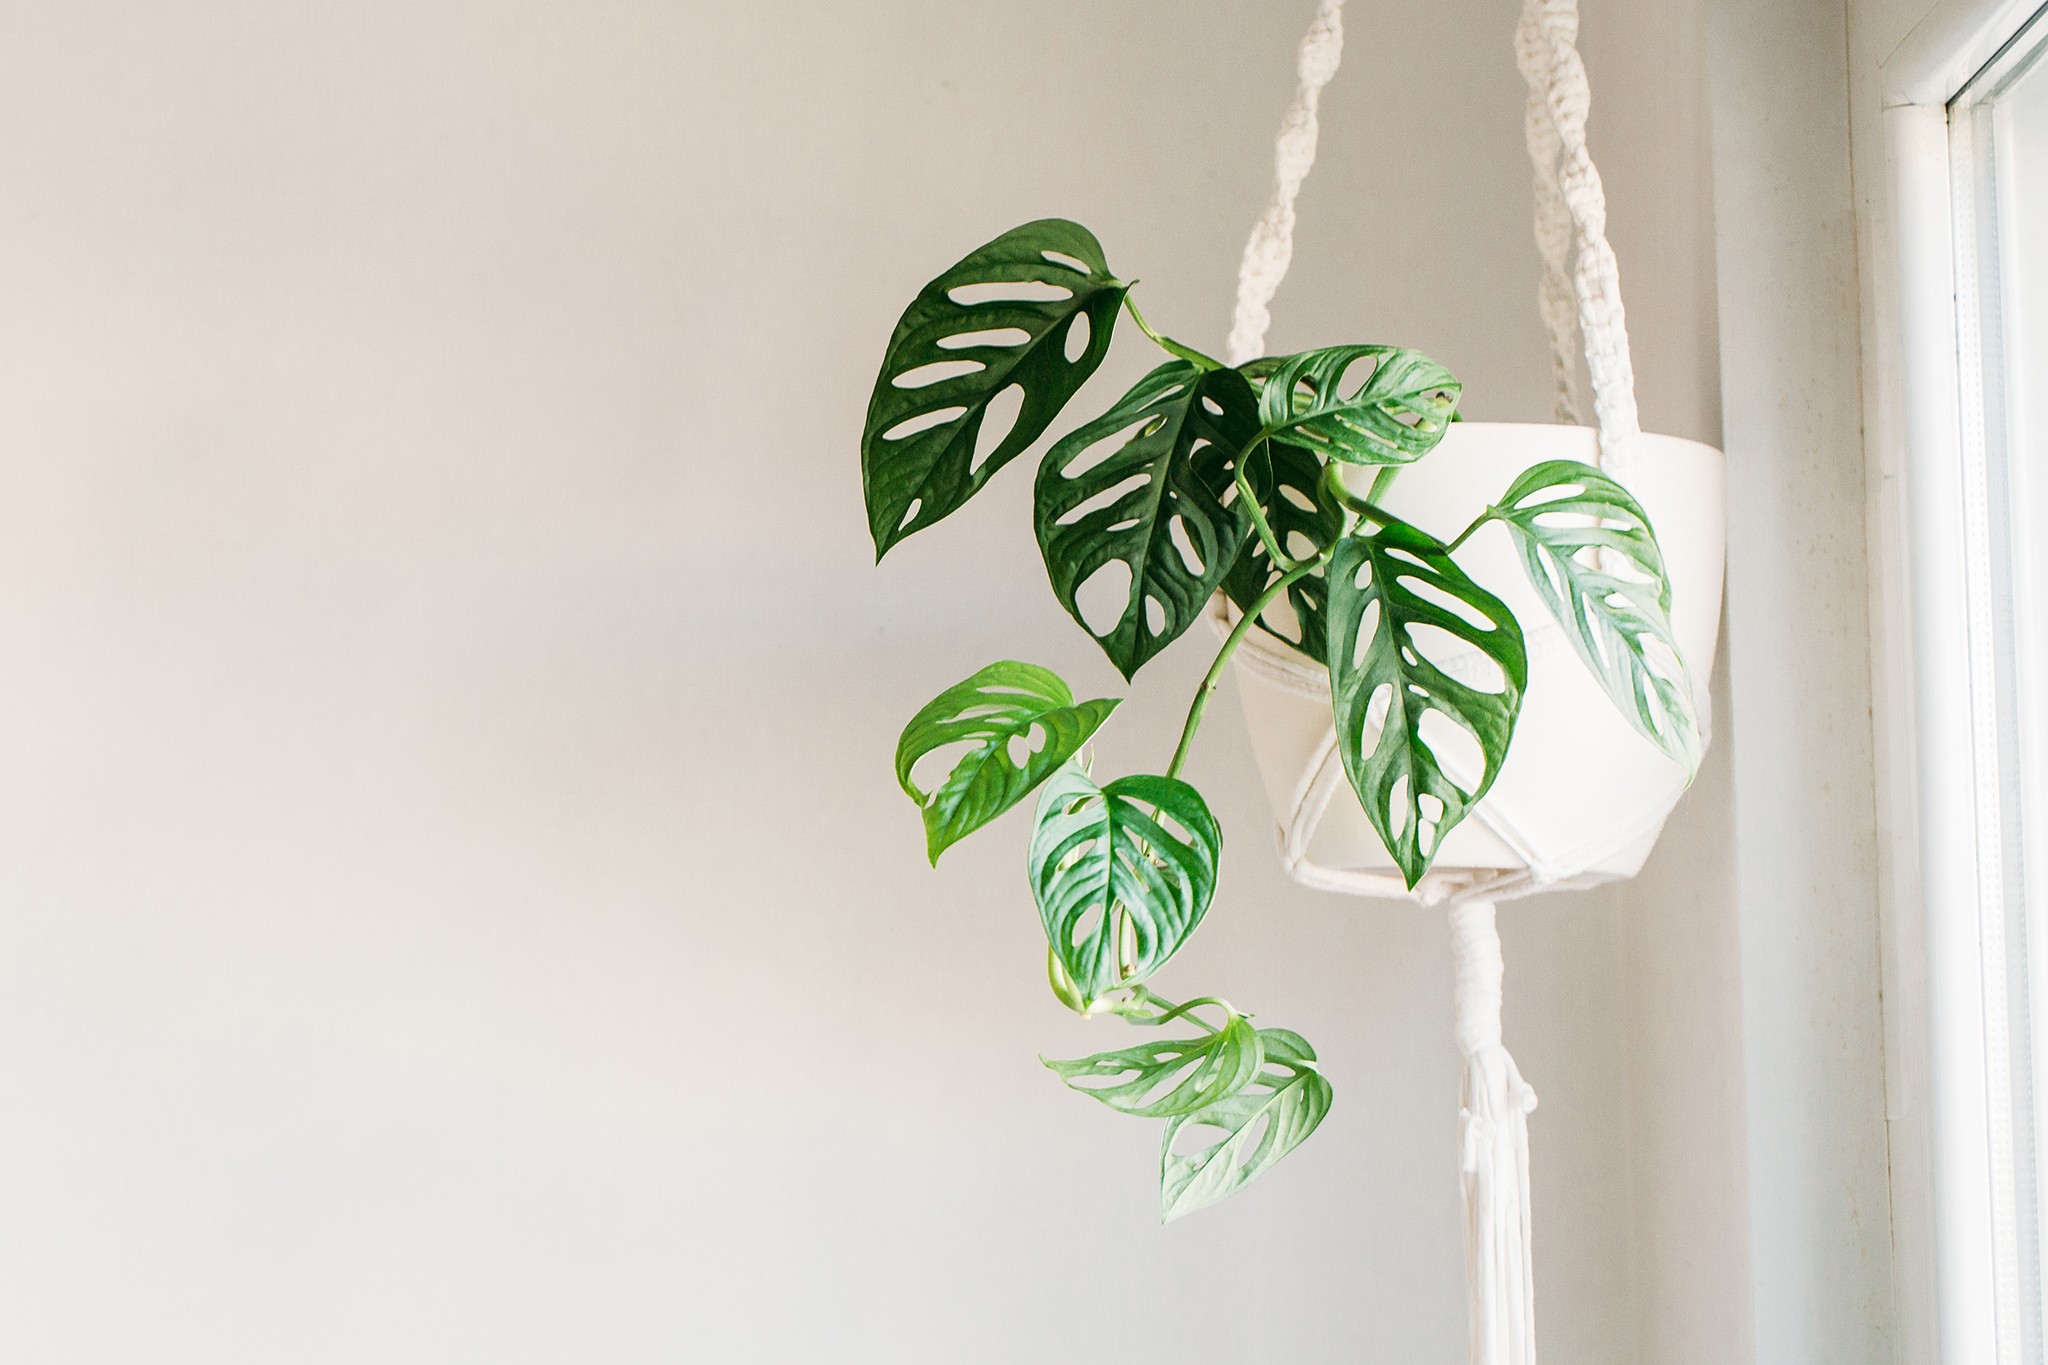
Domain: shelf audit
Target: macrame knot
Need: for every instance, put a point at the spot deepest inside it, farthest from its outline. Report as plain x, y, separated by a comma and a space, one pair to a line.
1580, 297
1493, 1142
1322, 47
1271, 247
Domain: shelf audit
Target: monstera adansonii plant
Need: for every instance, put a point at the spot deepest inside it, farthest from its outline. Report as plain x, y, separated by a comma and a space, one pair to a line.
1206, 478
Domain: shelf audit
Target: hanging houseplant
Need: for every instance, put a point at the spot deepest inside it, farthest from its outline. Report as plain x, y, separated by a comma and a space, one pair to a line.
1396, 632
1264, 481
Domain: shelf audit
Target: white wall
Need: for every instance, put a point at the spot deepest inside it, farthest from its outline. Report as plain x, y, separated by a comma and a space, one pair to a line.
453, 901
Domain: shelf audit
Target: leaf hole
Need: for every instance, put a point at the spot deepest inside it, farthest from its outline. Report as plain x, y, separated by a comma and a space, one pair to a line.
1078, 331
1363, 367
1550, 493
1457, 750
1455, 656
1100, 449
998, 420
1299, 546
930, 770
924, 376
1436, 596
923, 421
1004, 337
1211, 406
1196, 1136
1104, 501
1105, 598
910, 513
1073, 263
1294, 495
1007, 291
1368, 631
1190, 557
1155, 616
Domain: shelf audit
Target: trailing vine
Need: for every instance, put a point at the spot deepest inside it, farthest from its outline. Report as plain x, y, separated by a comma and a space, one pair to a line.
1202, 479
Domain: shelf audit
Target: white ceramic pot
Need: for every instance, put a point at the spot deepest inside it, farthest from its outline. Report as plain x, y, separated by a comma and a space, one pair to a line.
1582, 796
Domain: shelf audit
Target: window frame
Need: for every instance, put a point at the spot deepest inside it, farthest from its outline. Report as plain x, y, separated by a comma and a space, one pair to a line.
1924, 508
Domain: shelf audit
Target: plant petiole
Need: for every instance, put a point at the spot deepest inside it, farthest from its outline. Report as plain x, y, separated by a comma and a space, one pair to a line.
1466, 534
1281, 563
1214, 678
1167, 343
1143, 998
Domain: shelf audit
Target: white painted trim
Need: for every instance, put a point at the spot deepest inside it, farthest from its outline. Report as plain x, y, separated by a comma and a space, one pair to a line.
1936, 1060
1935, 637
1953, 43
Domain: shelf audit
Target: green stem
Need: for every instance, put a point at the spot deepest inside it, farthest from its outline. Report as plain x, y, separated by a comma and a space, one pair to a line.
1214, 678
1466, 534
1143, 997
1281, 562
1167, 343
1333, 484
1383, 482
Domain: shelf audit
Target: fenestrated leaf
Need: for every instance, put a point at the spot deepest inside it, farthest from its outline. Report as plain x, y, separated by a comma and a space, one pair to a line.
1063, 988
1385, 586
1290, 1094
1170, 1076
1156, 504
1305, 522
1023, 724
1001, 317
1595, 562
1396, 414
1122, 873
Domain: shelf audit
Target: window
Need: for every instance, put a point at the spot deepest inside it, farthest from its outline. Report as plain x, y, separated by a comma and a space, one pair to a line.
1998, 168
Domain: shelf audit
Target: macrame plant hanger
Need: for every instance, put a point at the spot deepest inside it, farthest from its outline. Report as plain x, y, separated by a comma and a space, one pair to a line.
1580, 300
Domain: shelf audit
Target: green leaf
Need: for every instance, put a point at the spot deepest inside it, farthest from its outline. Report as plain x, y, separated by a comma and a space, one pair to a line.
1395, 415
1004, 316
1291, 1094
1156, 503
1306, 523
1172, 1076
1387, 585
1023, 724
1063, 988
1595, 562
1122, 874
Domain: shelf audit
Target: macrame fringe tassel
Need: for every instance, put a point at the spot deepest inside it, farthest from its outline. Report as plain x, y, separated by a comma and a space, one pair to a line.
1494, 1133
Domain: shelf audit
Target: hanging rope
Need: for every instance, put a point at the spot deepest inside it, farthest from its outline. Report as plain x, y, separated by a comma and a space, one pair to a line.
1546, 49
1554, 228
1580, 298
1271, 248
1493, 1133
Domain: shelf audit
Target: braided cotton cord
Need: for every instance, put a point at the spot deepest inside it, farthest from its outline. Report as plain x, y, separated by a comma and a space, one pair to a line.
1547, 48
1493, 1128
1581, 305
1553, 227
1271, 247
